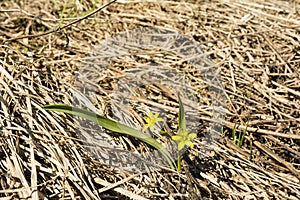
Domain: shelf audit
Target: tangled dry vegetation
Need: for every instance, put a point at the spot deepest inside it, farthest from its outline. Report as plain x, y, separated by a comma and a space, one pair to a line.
255, 46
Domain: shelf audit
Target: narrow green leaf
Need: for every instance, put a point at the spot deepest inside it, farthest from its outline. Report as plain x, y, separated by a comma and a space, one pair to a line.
113, 126
181, 115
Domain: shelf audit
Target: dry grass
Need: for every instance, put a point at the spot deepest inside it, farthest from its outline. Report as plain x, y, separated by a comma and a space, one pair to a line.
254, 44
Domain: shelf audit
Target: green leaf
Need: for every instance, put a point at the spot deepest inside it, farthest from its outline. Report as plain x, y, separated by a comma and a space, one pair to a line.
113, 126
181, 115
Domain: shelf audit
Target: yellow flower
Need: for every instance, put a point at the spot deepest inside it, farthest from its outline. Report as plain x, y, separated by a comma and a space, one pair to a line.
151, 120
183, 138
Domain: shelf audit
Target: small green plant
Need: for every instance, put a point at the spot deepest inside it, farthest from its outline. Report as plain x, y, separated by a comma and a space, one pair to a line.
183, 137
238, 137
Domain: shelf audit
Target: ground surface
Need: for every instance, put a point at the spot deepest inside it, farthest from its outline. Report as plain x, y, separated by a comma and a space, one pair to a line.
255, 48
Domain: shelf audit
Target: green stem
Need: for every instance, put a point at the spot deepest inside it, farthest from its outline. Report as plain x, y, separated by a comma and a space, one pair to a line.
179, 164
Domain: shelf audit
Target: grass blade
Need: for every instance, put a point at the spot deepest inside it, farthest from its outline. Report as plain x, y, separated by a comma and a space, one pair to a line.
181, 115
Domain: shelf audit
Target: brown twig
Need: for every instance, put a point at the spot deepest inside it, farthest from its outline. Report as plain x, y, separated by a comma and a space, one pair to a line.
278, 159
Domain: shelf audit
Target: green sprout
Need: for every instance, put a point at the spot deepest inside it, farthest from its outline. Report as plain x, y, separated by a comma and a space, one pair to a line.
183, 137
151, 120
238, 138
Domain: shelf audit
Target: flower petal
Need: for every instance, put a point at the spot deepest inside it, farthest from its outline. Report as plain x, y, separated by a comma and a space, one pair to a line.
181, 145
190, 144
192, 136
176, 137
152, 127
